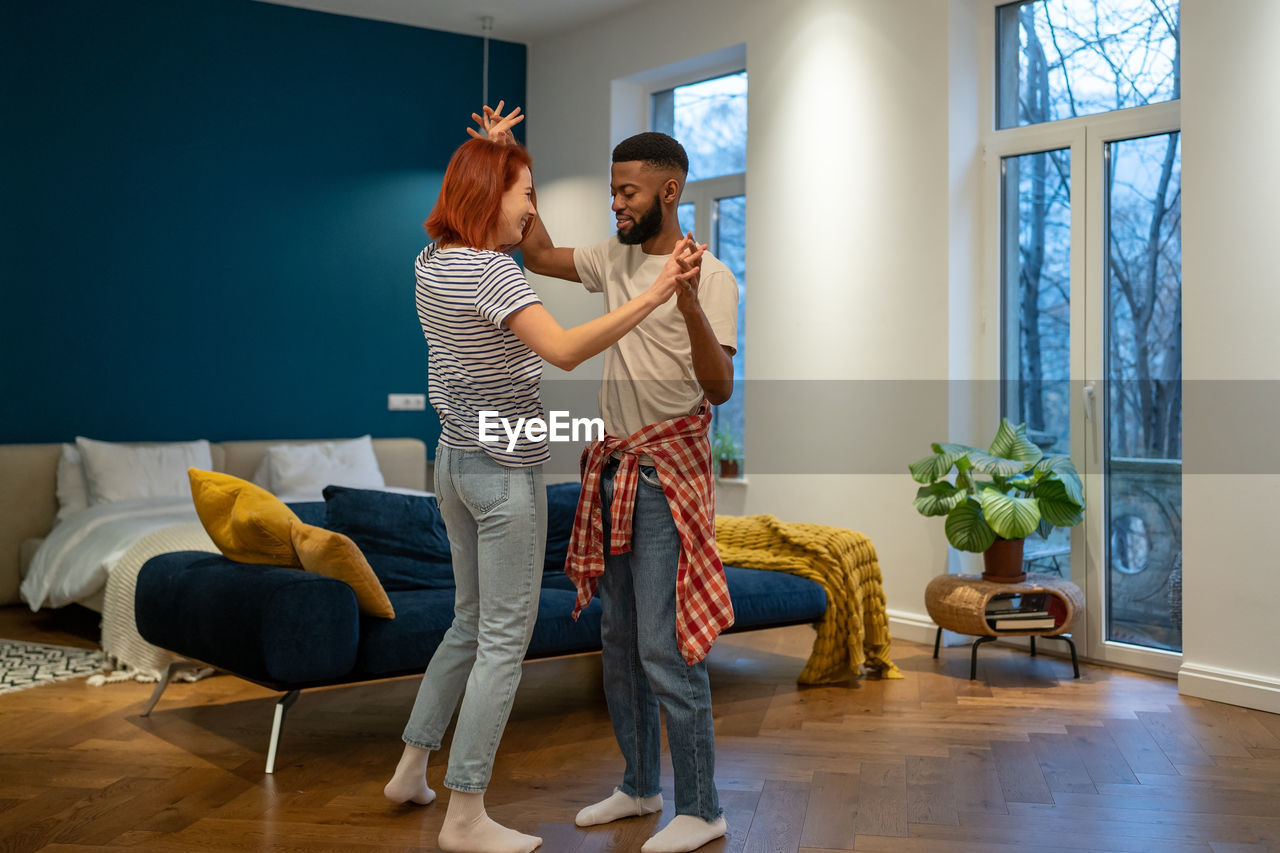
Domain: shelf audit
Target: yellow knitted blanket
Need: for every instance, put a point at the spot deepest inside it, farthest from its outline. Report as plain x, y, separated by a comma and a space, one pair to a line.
855, 629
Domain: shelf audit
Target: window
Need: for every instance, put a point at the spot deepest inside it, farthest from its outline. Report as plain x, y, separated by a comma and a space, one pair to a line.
709, 118
1064, 58
1036, 191
1087, 147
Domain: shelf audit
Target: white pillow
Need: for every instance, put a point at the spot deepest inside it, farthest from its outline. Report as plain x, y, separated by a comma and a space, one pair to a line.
73, 490
262, 475
119, 472
305, 469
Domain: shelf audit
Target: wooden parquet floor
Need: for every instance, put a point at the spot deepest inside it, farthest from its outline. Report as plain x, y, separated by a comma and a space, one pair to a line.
1024, 758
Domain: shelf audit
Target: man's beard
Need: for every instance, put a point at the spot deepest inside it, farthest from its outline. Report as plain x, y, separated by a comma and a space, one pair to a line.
643, 228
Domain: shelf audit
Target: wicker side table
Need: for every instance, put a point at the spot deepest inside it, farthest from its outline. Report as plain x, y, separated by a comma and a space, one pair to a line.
959, 603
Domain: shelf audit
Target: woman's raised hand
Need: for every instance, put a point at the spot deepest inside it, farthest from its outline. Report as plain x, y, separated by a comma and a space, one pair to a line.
494, 125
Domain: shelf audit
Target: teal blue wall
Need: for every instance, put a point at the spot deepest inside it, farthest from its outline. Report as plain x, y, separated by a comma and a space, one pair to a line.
209, 211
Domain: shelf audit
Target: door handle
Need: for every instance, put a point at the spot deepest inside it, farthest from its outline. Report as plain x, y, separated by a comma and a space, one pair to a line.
1091, 435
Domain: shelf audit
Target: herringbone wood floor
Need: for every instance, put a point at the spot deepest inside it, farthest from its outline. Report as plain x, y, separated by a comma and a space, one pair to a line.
1023, 758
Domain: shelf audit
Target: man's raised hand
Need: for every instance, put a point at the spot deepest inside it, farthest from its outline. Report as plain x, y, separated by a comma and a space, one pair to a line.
681, 269
494, 125
690, 263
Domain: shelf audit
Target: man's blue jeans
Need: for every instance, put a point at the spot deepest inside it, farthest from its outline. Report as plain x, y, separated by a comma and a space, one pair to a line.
496, 517
643, 667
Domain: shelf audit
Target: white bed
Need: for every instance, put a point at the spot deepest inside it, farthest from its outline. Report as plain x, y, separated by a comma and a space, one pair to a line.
72, 563
47, 562
29, 507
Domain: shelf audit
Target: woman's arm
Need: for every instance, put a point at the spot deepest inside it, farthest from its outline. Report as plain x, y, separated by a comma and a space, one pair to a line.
566, 349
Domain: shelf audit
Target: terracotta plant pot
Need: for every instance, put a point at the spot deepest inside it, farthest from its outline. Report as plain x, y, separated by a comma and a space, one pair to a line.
1003, 561
728, 469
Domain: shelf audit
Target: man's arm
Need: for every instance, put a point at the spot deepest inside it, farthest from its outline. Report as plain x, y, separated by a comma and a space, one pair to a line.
544, 257
712, 362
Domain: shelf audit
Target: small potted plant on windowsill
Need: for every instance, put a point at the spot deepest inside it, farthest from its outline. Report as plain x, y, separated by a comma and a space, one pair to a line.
1023, 491
727, 453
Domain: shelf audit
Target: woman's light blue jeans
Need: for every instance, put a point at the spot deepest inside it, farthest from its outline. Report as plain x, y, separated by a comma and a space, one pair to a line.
643, 667
496, 517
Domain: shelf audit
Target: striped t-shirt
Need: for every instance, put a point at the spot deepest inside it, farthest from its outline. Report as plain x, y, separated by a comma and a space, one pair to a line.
474, 362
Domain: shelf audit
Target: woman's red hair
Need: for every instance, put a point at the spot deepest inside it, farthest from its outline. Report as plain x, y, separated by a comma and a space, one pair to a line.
470, 201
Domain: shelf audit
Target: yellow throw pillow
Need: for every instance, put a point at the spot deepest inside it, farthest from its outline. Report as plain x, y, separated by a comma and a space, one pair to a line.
246, 522
324, 552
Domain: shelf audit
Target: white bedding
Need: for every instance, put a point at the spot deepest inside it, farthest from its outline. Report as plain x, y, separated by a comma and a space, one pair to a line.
74, 560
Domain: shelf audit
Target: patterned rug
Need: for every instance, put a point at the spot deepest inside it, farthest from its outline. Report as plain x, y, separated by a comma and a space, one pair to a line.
24, 665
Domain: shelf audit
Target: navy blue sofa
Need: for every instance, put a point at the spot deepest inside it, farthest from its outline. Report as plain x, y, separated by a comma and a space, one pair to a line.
289, 630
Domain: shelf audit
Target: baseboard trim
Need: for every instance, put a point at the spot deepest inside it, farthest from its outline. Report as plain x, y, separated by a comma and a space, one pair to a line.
916, 627
1230, 686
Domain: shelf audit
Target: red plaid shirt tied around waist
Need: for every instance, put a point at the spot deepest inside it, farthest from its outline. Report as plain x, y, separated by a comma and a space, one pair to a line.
682, 457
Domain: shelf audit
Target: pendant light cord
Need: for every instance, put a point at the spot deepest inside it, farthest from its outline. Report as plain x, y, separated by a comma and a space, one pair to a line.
486, 26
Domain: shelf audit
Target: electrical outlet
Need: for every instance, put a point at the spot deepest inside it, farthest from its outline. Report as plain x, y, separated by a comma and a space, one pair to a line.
406, 402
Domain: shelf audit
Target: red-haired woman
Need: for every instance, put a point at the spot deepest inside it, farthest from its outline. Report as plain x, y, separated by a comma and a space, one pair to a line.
488, 334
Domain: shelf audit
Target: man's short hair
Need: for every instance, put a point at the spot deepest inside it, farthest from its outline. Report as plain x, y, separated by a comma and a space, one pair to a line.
655, 149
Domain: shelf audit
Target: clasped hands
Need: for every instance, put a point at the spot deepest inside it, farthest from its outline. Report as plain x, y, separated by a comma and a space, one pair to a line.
683, 268
494, 125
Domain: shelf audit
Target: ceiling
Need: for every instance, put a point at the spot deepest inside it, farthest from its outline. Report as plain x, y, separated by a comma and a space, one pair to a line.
513, 20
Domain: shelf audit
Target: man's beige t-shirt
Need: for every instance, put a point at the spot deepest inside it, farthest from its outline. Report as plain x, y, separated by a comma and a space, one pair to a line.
648, 374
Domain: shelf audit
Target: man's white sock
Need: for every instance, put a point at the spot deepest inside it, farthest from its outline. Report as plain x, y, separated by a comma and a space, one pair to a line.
685, 833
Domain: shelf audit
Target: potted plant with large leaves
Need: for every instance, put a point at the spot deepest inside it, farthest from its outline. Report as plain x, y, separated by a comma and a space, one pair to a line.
999, 496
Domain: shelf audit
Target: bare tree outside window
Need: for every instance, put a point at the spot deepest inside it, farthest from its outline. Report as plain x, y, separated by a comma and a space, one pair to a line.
1081, 57
1039, 185
1144, 344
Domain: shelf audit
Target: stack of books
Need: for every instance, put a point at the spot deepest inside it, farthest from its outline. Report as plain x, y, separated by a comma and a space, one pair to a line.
1033, 611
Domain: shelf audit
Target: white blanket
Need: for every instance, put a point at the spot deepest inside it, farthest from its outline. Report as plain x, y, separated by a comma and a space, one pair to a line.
74, 560
130, 657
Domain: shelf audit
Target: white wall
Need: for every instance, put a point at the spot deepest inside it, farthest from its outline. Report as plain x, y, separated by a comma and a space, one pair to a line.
1231, 303
972, 352
847, 233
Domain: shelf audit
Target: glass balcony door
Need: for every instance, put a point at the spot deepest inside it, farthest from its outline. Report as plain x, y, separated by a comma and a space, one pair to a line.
1090, 268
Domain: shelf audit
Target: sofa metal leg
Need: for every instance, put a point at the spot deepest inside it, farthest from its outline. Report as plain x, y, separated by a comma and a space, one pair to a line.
937, 641
286, 701
172, 670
